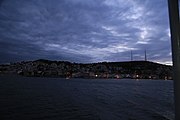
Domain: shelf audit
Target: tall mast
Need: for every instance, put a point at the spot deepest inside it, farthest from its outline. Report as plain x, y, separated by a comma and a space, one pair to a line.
145, 57
175, 42
131, 56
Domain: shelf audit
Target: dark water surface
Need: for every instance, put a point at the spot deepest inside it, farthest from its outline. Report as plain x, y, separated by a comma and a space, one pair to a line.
26, 98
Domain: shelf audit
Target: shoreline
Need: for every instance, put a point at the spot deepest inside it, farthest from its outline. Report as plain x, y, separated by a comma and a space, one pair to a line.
17, 75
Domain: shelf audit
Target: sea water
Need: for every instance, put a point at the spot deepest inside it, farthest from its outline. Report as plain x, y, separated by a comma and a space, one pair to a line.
30, 98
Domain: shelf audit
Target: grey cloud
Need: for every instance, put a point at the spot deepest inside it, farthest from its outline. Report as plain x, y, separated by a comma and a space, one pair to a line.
83, 30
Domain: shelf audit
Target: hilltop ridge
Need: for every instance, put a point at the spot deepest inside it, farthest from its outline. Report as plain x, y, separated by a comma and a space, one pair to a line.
66, 69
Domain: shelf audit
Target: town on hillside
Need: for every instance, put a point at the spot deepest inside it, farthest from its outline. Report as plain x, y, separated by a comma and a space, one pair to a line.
64, 69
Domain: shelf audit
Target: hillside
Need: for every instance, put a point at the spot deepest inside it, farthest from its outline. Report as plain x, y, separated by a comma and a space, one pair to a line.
129, 69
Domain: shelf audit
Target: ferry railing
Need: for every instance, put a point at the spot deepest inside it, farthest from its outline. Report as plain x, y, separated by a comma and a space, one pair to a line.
173, 6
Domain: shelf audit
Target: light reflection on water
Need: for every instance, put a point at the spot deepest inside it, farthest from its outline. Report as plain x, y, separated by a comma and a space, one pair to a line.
85, 99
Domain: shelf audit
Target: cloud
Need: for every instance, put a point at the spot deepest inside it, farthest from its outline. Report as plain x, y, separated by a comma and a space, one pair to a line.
83, 30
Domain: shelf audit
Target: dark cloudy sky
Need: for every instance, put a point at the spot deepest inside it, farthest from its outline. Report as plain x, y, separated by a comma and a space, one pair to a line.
84, 30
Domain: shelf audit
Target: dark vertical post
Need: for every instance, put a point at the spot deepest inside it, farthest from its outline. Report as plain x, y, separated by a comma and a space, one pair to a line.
145, 57
175, 42
131, 56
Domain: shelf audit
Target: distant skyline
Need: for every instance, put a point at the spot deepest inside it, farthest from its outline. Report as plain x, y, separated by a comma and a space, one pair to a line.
84, 30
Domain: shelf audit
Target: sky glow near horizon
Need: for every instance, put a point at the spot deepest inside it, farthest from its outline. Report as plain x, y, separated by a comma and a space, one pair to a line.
84, 30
